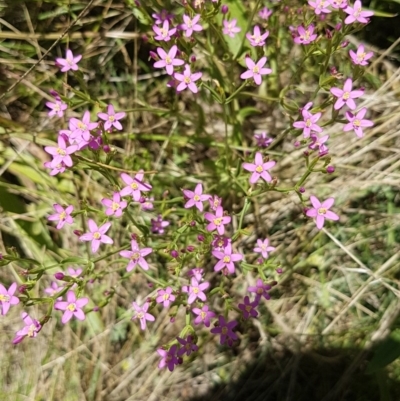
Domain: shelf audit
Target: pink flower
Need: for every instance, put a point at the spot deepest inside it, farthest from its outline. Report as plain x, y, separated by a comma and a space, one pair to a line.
360, 58
158, 225
59, 168
219, 242
263, 140
195, 290
164, 33
214, 201
196, 273
217, 220
256, 39
319, 143
309, 123
248, 308
53, 290
111, 118
62, 216
357, 122
168, 358
82, 128
142, 315
346, 95
226, 259
263, 247
260, 289
191, 25
256, 70
188, 346
57, 108
70, 62
147, 203
32, 327
114, 206
162, 16
187, 79
259, 169
321, 211
97, 235
61, 153
230, 28
134, 186
305, 35
320, 6
265, 13
168, 60
74, 273
203, 315
136, 256
165, 297
7, 297
356, 14
195, 198
338, 3
72, 307
225, 330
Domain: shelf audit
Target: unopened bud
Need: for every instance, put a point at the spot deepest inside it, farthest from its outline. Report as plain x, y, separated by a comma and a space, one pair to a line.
106, 149
302, 190
193, 59
174, 253
78, 233
224, 9
330, 169
200, 238
59, 275
190, 248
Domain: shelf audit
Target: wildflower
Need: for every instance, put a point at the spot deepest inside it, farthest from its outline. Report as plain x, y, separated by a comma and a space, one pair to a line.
81, 128
59, 168
188, 346
305, 35
214, 201
263, 141
346, 95
142, 315
256, 70
74, 273
203, 315
226, 259
219, 242
217, 220
191, 24
265, 13
147, 203
164, 33
356, 14
357, 122
309, 123
57, 108
319, 143
196, 273
320, 6
114, 206
70, 62
62, 215
259, 169
248, 308
168, 60
53, 289
338, 3
61, 153
7, 297
230, 28
165, 297
162, 16
263, 247
321, 211
260, 289
157, 226
97, 235
195, 290
134, 186
256, 39
72, 307
136, 256
187, 79
168, 358
195, 198
111, 118
360, 58
225, 330
31, 328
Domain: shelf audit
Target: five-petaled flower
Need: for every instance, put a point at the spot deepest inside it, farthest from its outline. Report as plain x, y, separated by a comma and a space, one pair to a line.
7, 297
248, 308
357, 122
191, 24
81, 128
168, 358
346, 95
204, 315
114, 206
61, 153
165, 297
187, 79
356, 14
226, 259
305, 35
168, 60
62, 215
259, 169
195, 290
70, 62
97, 235
31, 328
112, 118
320, 6
360, 57
142, 315
230, 28
196, 197
217, 220
188, 346
256, 70
256, 39
134, 186
263, 247
164, 33
224, 328
57, 108
72, 307
260, 289
136, 256
309, 123
320, 211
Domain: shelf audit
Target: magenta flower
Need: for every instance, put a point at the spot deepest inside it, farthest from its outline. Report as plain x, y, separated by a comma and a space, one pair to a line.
305, 35
53, 290
188, 346
356, 14
147, 203
111, 118
70, 62
195, 198
168, 60
261, 290
82, 128
59, 168
248, 308
226, 259
263, 247
134, 186
320, 6
321, 211
97, 235
319, 143
219, 242
215, 202
162, 16
225, 330
230, 28
7, 297
61, 153
165, 297
168, 358
256, 70
309, 123
142, 315
256, 39
195, 290
191, 24
259, 169
203, 315
32, 327
187, 79
57, 108
265, 13
72, 307
158, 225
114, 206
74, 273
164, 33
263, 140
346, 95
337, 4
62, 216
136, 256
217, 220
357, 122
196, 273
360, 58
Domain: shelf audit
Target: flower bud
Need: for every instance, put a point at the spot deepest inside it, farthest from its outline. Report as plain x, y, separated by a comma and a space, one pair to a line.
174, 253
330, 169
224, 9
200, 238
96, 308
192, 223
302, 190
145, 38
106, 149
78, 233
193, 59
154, 55
279, 270
190, 248
172, 320
22, 288
344, 44
338, 26
59, 275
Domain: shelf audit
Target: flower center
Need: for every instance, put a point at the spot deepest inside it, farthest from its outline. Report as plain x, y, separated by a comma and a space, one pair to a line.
248, 308
71, 307
32, 330
260, 290
61, 152
195, 290
111, 118
357, 123
140, 315
203, 315
82, 126
134, 185
4, 298
187, 80
168, 60
308, 123
227, 259
166, 296
135, 256
217, 221
259, 169
96, 235
322, 211
224, 330
346, 95
62, 215
196, 198
256, 69
115, 206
